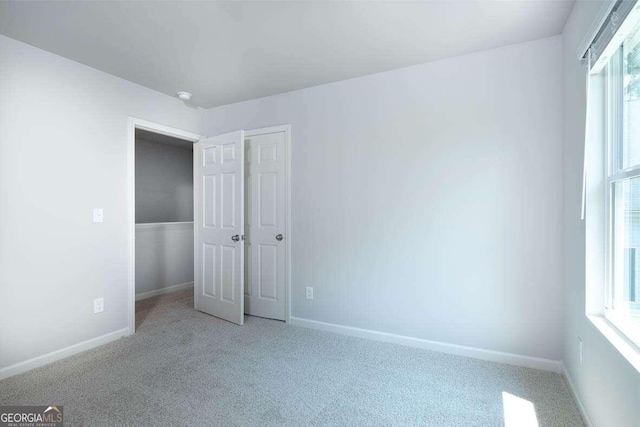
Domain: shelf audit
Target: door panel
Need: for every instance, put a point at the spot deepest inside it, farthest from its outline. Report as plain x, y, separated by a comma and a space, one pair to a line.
268, 199
218, 218
228, 200
229, 273
265, 173
268, 272
209, 269
209, 200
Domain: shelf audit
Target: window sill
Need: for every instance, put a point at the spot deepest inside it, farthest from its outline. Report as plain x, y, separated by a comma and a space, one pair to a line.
626, 348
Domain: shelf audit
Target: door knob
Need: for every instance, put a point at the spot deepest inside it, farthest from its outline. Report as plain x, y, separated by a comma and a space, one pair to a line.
279, 237
235, 238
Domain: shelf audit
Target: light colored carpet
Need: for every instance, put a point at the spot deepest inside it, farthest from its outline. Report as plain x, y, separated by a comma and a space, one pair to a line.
183, 367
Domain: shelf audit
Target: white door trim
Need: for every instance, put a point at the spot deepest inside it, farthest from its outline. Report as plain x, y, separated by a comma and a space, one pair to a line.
133, 124
287, 185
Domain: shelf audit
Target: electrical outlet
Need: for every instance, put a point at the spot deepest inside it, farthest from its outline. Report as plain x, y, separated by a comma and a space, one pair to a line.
98, 215
98, 305
309, 292
580, 349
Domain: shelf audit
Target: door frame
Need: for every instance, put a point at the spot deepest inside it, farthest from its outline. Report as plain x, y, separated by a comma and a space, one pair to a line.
287, 201
133, 124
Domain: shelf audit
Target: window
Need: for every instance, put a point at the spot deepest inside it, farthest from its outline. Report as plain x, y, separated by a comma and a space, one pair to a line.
622, 189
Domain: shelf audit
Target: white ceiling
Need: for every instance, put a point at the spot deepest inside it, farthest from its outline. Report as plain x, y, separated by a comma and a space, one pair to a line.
225, 52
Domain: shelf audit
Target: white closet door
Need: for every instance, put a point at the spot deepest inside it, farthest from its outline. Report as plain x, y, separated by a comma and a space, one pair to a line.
265, 249
218, 168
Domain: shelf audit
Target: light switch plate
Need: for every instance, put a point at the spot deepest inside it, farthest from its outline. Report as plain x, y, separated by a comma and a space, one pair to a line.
98, 215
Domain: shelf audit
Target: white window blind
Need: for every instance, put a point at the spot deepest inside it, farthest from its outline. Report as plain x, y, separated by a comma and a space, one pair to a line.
609, 37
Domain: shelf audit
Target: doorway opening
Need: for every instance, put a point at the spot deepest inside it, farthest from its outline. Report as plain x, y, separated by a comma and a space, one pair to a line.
164, 222
170, 209
162, 217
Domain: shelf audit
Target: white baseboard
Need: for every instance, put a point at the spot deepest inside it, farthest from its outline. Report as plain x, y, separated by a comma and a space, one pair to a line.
167, 290
45, 359
576, 398
476, 353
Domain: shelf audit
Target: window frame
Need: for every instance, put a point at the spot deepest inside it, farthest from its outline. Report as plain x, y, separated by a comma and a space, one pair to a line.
614, 137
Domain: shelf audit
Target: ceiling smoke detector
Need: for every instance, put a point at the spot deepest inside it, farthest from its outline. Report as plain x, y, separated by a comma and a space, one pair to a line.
185, 96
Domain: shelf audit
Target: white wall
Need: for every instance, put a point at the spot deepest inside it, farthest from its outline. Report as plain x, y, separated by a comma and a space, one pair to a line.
63, 151
164, 256
607, 385
427, 201
164, 182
